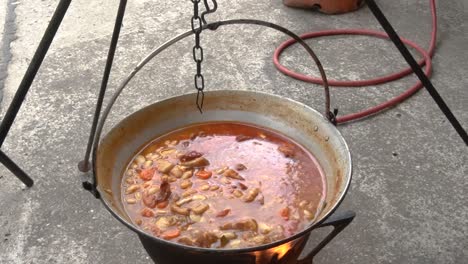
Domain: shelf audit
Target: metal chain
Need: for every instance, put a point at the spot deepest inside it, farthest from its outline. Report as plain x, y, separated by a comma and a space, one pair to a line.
197, 27
198, 55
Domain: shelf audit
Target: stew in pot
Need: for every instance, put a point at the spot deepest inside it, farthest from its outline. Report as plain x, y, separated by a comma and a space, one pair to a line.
223, 185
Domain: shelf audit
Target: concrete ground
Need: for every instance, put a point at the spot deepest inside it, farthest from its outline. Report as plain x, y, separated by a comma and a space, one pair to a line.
409, 188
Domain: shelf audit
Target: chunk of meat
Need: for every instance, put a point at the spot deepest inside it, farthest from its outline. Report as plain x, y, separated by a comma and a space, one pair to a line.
190, 156
204, 239
151, 199
243, 225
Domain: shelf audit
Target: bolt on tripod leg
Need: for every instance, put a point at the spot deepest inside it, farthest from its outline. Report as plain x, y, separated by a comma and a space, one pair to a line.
15, 169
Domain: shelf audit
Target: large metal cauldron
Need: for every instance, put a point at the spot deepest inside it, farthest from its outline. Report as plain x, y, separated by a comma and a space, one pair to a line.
298, 121
295, 120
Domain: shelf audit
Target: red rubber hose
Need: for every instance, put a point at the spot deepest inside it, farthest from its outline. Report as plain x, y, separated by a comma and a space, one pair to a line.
427, 55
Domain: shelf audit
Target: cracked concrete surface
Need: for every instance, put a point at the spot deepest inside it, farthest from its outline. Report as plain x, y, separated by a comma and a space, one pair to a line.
409, 186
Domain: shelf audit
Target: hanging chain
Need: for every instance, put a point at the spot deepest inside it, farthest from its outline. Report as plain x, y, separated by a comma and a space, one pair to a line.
198, 55
197, 27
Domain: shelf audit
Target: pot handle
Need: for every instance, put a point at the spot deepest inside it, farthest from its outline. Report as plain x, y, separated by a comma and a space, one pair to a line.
91, 184
339, 221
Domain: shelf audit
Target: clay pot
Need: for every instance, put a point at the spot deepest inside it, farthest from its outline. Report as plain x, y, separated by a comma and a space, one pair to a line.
326, 6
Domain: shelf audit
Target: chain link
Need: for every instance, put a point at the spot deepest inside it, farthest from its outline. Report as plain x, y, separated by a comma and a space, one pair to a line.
199, 80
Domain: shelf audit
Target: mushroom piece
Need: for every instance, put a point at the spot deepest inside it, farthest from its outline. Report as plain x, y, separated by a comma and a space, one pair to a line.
244, 225
196, 163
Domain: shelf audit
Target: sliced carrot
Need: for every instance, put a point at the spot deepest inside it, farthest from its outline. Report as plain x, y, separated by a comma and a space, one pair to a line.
162, 205
147, 174
146, 212
203, 174
285, 213
170, 234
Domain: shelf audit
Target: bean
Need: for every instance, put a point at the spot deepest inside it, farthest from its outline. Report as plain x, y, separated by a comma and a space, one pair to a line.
224, 180
167, 152
131, 201
199, 197
200, 209
147, 184
184, 201
214, 188
187, 175
172, 179
237, 193
130, 172
258, 240
138, 196
153, 190
303, 203
229, 235
308, 214
164, 166
138, 222
221, 170
186, 184
140, 159
149, 156
264, 228
147, 164
251, 195
189, 192
129, 180
205, 187
177, 172
195, 217
132, 188
179, 210
134, 166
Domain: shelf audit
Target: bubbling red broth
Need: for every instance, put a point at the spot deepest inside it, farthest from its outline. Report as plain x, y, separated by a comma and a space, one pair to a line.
223, 185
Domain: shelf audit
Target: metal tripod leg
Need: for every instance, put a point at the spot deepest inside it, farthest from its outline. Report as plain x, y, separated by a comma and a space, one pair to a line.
24, 86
